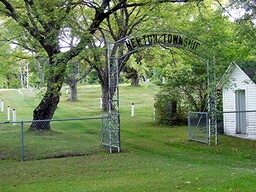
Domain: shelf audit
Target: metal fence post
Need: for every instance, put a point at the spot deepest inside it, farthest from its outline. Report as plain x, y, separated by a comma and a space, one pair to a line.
22, 140
209, 129
119, 134
189, 125
102, 128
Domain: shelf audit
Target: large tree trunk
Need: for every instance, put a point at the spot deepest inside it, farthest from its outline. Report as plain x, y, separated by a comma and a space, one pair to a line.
73, 89
73, 80
135, 78
135, 81
104, 90
45, 111
48, 105
107, 94
103, 76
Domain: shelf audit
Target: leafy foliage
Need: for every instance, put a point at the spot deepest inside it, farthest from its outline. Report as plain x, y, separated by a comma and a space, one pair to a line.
170, 109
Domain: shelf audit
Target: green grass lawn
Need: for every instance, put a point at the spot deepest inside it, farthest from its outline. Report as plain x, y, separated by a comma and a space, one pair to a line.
153, 157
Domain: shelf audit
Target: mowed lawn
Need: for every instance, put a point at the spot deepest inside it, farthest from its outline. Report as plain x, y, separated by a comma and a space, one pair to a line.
153, 157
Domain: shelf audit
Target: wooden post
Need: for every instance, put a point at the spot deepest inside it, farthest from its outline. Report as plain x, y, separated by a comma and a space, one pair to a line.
132, 114
14, 117
8, 114
2, 106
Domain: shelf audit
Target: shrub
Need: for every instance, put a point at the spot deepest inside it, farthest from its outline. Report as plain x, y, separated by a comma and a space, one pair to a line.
169, 108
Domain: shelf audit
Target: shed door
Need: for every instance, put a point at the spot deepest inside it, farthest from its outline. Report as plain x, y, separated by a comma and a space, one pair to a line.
240, 116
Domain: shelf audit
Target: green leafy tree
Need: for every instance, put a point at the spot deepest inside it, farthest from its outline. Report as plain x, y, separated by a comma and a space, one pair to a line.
77, 70
10, 67
45, 21
136, 68
223, 41
122, 23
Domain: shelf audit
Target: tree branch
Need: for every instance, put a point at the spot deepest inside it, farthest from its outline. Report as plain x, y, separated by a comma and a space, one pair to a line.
12, 12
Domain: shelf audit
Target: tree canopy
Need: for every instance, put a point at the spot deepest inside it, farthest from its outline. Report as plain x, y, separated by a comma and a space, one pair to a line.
45, 23
43, 30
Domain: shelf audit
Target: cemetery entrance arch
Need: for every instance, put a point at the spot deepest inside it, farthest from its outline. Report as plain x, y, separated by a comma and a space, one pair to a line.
118, 53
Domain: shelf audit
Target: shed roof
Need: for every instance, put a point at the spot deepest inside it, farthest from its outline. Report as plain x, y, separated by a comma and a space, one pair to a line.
248, 67
251, 72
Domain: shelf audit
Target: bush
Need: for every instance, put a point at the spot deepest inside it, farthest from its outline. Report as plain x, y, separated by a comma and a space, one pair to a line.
169, 110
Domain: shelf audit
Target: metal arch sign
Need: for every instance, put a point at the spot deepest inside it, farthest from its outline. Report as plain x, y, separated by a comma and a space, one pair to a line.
171, 39
132, 44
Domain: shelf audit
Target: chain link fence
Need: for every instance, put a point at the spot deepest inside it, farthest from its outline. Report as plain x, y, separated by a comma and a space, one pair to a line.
198, 126
32, 140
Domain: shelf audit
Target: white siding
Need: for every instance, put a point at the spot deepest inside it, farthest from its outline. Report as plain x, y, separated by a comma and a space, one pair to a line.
229, 105
251, 105
239, 80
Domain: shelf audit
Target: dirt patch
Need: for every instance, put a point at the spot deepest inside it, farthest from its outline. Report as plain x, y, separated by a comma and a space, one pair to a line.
66, 155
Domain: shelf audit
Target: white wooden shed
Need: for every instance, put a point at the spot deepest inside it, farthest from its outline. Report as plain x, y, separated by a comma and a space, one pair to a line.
238, 86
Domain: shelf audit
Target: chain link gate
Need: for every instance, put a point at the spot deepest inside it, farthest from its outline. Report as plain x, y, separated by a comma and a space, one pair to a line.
198, 126
202, 126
